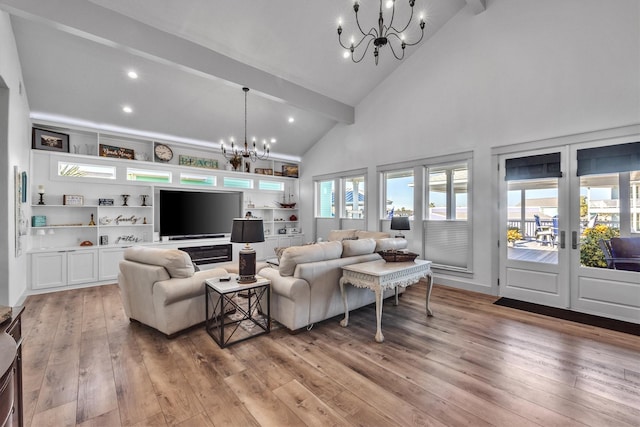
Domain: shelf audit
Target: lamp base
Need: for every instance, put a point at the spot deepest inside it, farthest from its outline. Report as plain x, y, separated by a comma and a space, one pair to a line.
247, 266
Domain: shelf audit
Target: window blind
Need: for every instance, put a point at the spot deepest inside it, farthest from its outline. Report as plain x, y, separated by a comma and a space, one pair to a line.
609, 159
533, 167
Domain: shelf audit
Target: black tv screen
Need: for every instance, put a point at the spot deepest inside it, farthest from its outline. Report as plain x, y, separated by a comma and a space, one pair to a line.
196, 214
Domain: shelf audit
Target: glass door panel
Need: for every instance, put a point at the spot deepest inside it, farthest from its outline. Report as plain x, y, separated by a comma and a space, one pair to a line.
532, 220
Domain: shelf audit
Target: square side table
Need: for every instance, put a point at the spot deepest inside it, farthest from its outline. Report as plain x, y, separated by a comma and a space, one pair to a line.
231, 318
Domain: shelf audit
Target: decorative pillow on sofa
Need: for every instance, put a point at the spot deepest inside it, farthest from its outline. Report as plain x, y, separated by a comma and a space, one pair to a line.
295, 255
279, 251
339, 235
357, 247
176, 262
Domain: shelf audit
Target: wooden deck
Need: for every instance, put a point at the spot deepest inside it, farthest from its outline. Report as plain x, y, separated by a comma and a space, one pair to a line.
533, 251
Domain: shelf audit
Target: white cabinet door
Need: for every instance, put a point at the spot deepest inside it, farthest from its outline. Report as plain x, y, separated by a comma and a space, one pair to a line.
48, 270
296, 240
110, 263
270, 243
82, 266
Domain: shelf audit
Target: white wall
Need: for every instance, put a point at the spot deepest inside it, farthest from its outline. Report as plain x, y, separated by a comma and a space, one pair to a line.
522, 70
15, 142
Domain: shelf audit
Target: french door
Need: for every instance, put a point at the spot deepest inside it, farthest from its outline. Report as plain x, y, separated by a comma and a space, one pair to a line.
556, 204
534, 206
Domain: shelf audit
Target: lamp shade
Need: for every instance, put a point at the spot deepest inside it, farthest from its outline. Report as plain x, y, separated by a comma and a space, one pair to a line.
400, 223
247, 231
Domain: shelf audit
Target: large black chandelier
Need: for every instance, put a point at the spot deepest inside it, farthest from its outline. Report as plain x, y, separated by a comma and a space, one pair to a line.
382, 35
246, 152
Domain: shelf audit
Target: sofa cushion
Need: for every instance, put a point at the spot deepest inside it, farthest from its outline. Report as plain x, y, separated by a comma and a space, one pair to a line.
176, 262
295, 255
339, 235
357, 247
364, 234
391, 243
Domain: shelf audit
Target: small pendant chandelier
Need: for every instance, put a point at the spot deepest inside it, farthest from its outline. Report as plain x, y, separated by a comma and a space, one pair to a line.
246, 152
382, 35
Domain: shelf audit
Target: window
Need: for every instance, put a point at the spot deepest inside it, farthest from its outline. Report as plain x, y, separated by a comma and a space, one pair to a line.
197, 179
142, 175
610, 187
271, 185
78, 170
447, 192
237, 182
398, 193
354, 197
325, 199
447, 229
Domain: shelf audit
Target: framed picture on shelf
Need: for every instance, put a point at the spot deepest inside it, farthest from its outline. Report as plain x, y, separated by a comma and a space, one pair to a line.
43, 139
290, 171
72, 200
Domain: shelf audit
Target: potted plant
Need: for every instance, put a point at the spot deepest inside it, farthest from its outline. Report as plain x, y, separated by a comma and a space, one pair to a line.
513, 234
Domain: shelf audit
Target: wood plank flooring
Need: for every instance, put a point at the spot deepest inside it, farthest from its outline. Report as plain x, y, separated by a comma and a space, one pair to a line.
472, 364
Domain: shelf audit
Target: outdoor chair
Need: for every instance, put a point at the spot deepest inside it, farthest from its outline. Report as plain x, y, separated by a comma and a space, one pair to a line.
621, 253
544, 234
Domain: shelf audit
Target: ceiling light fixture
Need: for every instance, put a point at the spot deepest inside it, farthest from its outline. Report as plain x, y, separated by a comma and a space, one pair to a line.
246, 152
132, 74
382, 35
291, 120
127, 109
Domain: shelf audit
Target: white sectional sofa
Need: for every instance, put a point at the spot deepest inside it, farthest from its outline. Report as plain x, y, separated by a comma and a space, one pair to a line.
305, 287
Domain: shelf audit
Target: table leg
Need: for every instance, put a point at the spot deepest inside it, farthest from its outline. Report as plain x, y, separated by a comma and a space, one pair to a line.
429, 287
344, 322
396, 303
379, 294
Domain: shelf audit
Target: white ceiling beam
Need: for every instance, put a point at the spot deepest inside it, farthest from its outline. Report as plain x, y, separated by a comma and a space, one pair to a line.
477, 6
88, 20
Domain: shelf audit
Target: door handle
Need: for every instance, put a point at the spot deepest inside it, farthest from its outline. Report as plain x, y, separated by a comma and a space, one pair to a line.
574, 240
562, 245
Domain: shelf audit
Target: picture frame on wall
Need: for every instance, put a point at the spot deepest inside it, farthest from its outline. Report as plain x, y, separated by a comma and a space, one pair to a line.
43, 139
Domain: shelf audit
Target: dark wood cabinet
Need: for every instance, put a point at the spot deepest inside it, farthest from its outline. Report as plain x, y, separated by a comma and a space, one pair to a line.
11, 381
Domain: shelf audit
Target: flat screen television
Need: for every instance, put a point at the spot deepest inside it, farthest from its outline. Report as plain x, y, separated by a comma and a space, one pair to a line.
198, 214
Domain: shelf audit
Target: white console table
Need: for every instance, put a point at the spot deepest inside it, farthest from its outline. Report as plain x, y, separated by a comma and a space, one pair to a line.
379, 276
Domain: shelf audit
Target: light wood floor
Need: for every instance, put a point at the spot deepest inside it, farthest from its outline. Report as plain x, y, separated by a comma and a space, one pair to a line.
473, 364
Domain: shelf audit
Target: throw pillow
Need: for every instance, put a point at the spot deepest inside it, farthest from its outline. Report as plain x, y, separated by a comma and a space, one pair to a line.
279, 251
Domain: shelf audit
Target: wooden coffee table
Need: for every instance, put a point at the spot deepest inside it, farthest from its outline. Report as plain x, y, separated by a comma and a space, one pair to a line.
379, 276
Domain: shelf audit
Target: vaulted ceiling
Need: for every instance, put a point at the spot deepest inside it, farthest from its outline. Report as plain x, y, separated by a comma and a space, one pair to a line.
194, 56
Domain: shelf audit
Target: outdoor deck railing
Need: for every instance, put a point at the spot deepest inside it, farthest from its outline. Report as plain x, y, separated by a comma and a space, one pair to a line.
529, 229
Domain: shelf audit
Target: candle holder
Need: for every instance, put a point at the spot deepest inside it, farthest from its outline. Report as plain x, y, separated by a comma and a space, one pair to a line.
41, 202
144, 199
125, 198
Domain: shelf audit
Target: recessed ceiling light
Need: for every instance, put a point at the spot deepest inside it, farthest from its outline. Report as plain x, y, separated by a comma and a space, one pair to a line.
346, 54
127, 109
389, 4
273, 140
291, 120
132, 74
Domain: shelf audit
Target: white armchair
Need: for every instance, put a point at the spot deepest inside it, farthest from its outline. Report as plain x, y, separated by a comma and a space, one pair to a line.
160, 288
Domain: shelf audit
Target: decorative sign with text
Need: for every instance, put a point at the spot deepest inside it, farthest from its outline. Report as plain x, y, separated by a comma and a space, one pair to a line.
198, 162
119, 152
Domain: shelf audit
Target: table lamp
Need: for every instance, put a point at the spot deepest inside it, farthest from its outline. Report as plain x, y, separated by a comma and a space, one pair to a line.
247, 231
400, 223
